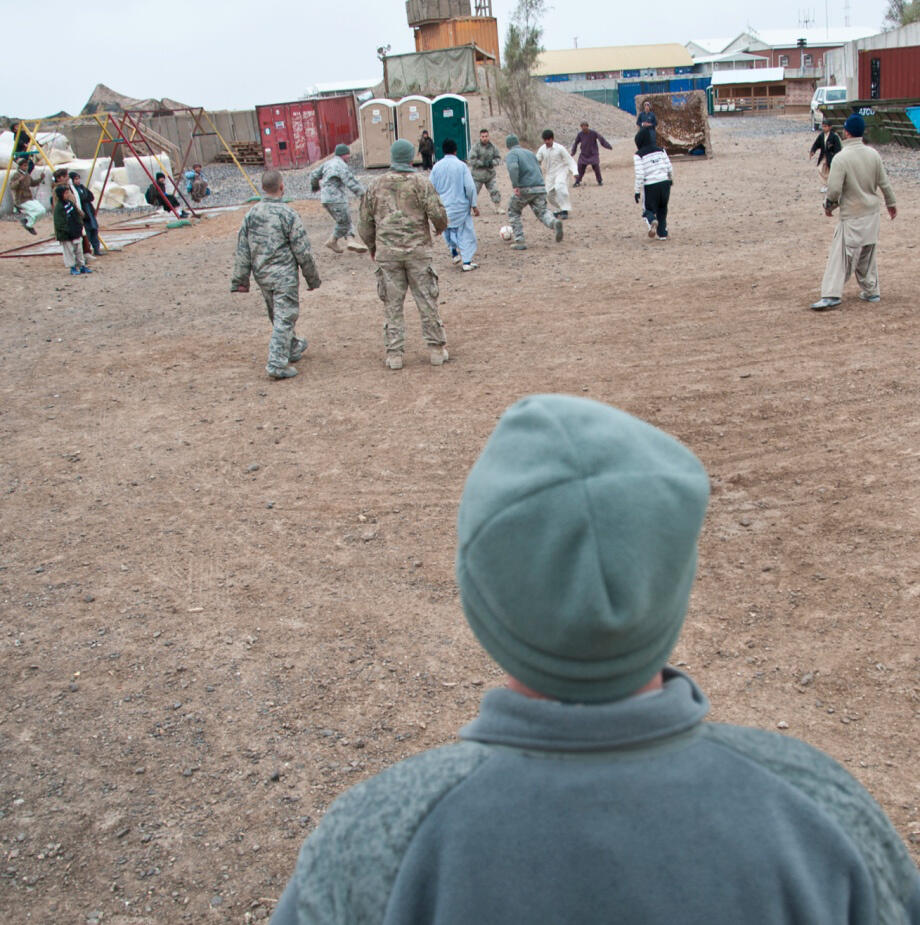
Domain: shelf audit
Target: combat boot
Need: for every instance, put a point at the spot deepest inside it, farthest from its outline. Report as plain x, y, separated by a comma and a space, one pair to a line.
394, 361
439, 355
355, 245
298, 346
333, 245
280, 372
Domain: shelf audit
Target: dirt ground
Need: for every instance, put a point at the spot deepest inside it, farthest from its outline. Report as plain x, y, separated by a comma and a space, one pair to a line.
224, 600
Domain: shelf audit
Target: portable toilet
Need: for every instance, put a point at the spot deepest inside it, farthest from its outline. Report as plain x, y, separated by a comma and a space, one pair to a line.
413, 116
377, 121
450, 119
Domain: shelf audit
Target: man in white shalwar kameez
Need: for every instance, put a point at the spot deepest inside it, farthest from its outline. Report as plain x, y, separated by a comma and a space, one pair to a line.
454, 184
557, 164
856, 176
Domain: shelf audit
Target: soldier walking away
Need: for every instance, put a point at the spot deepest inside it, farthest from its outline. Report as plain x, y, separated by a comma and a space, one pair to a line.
273, 245
394, 222
334, 178
587, 138
856, 176
483, 158
23, 201
558, 164
529, 190
590, 788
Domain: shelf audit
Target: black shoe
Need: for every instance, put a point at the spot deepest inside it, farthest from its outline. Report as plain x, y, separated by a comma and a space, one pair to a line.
563, 214
600, 182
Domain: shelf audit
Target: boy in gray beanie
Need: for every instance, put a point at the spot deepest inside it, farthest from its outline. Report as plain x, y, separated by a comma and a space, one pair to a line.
589, 789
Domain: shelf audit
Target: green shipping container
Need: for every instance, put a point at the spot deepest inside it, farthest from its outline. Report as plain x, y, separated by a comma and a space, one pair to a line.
450, 118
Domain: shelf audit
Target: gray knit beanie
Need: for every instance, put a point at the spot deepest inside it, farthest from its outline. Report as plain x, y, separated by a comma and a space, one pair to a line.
341, 150
577, 537
511, 141
401, 153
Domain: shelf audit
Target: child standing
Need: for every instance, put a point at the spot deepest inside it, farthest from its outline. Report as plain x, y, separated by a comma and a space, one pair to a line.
655, 176
68, 229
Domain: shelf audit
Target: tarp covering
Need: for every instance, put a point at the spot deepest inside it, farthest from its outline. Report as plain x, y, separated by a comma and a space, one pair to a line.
430, 73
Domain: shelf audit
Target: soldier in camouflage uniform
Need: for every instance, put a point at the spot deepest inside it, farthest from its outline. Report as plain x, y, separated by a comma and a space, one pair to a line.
393, 222
482, 159
332, 178
529, 189
273, 245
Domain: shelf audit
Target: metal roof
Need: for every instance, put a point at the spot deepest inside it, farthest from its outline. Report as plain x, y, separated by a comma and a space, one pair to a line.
613, 58
747, 75
789, 38
713, 46
728, 56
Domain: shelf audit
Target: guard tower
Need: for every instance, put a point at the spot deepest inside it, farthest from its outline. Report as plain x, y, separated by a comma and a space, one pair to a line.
448, 23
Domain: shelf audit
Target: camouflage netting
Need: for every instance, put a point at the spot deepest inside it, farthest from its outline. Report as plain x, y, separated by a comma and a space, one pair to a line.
683, 123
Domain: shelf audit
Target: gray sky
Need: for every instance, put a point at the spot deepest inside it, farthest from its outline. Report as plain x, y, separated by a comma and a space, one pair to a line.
236, 54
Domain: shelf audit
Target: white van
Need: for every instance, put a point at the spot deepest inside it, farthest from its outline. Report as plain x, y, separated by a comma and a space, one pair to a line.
825, 95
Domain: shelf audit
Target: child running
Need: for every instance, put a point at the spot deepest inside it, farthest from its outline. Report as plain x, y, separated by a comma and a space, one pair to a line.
655, 176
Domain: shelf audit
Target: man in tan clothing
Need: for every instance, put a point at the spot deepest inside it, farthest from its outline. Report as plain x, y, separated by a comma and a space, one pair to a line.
856, 176
393, 221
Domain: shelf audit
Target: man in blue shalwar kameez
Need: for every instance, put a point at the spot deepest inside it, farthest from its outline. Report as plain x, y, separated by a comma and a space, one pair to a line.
454, 183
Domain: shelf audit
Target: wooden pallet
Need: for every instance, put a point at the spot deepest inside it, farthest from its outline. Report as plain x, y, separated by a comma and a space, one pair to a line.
246, 152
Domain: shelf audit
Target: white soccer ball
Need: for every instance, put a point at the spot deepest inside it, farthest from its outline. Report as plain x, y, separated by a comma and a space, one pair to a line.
506, 232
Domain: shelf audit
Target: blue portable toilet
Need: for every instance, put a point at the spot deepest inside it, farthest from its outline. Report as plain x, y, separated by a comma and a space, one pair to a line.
450, 118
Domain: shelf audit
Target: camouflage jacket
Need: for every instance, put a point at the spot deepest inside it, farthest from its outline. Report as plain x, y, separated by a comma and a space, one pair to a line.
482, 160
395, 212
333, 177
272, 243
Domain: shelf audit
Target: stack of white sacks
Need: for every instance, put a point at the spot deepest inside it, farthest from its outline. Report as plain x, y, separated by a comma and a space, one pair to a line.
125, 187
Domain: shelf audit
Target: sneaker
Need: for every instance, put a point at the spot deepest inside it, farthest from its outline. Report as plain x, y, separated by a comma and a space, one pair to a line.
823, 189
280, 372
74, 271
600, 182
333, 245
470, 266
356, 246
652, 227
85, 269
298, 347
663, 237
577, 183
564, 214
31, 229
519, 246
394, 361
558, 226
439, 355
456, 258
183, 214
869, 297
822, 305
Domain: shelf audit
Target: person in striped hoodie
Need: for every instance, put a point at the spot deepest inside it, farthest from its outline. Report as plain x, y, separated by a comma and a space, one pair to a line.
654, 177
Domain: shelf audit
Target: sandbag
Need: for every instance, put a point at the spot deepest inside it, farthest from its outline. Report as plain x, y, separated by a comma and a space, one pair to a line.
56, 147
114, 197
119, 175
134, 196
137, 177
83, 167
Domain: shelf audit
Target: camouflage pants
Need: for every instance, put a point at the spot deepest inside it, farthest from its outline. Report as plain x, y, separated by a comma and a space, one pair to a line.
283, 310
394, 277
491, 184
340, 212
535, 197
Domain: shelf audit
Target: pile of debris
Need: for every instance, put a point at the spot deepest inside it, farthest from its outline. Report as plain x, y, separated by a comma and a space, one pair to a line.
683, 122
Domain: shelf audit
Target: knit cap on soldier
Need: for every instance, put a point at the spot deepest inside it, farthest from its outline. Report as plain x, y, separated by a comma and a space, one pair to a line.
401, 153
577, 546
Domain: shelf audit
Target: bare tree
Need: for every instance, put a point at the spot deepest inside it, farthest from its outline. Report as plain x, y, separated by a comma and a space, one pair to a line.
901, 13
517, 92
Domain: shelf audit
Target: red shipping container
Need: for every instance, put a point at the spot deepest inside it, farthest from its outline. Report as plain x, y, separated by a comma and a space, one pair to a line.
889, 73
338, 121
289, 133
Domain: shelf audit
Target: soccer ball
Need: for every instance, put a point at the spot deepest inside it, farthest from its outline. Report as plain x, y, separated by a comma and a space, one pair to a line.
506, 232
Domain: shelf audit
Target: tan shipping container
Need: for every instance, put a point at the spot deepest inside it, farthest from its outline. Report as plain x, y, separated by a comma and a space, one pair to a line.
468, 30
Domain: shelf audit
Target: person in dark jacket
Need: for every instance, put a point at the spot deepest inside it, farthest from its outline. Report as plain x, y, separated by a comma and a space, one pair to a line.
426, 150
156, 195
68, 229
827, 144
90, 222
648, 119
589, 788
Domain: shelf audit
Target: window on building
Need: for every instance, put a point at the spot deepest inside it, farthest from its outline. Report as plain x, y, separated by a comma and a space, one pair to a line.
784, 60
806, 60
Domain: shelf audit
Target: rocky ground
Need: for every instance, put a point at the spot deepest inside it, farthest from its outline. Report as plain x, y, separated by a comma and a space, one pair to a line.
224, 600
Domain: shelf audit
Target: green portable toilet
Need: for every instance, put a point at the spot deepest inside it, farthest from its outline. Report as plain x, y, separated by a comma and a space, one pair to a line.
450, 118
